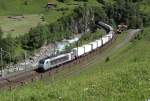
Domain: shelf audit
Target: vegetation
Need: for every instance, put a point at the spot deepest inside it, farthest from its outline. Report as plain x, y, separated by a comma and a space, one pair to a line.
72, 20
65, 27
21, 7
89, 37
19, 25
123, 77
85, 39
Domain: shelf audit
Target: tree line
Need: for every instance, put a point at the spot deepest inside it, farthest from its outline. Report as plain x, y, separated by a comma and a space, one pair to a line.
81, 19
127, 12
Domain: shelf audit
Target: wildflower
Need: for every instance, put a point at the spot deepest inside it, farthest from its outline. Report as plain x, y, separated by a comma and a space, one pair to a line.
93, 85
60, 97
85, 89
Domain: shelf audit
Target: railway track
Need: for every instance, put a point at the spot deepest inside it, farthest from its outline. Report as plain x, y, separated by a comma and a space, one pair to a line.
102, 56
30, 76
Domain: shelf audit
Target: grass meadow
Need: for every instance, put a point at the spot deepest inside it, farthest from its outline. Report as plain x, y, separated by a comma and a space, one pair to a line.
124, 77
19, 25
33, 12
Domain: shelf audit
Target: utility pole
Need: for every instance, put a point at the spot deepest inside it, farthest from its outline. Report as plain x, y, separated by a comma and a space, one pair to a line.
25, 55
9, 59
102, 40
1, 52
77, 48
1, 60
1, 56
54, 51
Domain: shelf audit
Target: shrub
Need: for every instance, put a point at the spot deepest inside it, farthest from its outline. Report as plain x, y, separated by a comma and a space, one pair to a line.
107, 59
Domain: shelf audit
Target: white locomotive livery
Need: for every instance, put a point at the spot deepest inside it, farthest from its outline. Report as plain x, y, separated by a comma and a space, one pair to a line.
51, 62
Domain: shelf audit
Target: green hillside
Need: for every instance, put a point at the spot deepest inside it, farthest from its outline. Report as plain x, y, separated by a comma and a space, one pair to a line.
16, 7
125, 77
32, 14
19, 7
119, 73
17, 18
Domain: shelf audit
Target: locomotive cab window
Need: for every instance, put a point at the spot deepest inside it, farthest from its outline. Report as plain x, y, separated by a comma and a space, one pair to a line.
41, 61
59, 60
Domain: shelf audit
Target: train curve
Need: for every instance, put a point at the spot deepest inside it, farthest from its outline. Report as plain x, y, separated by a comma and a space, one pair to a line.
31, 75
79, 51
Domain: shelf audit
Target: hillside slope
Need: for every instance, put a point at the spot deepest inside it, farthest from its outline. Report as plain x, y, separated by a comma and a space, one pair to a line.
125, 77
121, 76
9, 7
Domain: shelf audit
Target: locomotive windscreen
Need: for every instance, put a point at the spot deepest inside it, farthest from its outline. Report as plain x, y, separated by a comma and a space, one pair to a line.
41, 61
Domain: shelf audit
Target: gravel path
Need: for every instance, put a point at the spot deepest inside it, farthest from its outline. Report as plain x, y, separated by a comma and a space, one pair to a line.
130, 35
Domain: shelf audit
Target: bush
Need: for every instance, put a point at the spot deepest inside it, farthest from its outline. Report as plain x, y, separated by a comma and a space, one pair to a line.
107, 59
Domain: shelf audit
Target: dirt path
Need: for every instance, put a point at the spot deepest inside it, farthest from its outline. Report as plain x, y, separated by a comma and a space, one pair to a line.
130, 35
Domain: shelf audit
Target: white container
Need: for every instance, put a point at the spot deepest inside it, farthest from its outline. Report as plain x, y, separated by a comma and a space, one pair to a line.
99, 42
105, 39
110, 28
94, 45
78, 51
87, 48
110, 35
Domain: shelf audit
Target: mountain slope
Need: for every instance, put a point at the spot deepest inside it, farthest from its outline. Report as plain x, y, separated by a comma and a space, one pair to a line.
19, 7
125, 77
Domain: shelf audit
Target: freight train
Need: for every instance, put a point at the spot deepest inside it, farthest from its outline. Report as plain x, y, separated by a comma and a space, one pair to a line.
53, 61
